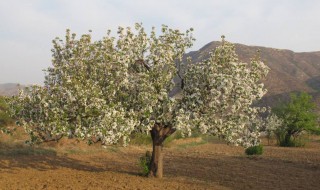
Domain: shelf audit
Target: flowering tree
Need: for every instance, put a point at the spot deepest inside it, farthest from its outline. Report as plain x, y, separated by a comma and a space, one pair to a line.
272, 124
105, 90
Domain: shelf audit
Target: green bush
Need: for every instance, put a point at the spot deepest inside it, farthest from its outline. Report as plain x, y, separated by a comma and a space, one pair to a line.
144, 163
254, 150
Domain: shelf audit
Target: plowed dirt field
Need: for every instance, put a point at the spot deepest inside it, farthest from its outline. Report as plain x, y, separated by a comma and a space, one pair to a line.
188, 164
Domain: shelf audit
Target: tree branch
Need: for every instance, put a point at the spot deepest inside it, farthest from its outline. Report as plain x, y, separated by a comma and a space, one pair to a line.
178, 74
143, 63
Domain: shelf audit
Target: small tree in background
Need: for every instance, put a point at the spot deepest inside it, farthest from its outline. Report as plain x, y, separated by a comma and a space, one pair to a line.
105, 90
298, 115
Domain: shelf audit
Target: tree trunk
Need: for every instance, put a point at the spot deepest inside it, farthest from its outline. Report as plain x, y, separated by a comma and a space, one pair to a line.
156, 164
287, 139
158, 133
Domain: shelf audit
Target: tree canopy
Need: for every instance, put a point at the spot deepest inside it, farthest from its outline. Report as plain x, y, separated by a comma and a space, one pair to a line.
297, 115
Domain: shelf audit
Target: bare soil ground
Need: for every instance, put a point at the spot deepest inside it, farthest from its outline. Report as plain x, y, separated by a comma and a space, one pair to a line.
188, 164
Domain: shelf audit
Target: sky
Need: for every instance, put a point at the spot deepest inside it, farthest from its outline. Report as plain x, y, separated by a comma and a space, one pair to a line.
27, 27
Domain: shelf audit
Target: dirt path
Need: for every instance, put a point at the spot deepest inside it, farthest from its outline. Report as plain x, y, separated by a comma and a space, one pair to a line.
187, 166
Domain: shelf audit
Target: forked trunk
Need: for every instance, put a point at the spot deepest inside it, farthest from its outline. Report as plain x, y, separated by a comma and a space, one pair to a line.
158, 133
287, 139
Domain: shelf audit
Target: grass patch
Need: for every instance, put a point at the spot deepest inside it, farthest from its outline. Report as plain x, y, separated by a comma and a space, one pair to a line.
112, 149
211, 139
145, 139
191, 144
174, 136
74, 151
140, 139
88, 150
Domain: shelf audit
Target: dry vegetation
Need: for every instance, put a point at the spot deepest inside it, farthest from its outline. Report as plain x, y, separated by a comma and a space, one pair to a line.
196, 163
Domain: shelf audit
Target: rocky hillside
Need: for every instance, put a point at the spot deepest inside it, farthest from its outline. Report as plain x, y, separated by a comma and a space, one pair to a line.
290, 71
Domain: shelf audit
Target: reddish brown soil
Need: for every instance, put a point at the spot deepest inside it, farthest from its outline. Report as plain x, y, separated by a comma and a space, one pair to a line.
188, 165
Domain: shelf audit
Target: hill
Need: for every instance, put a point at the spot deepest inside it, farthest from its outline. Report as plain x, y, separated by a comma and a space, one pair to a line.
9, 89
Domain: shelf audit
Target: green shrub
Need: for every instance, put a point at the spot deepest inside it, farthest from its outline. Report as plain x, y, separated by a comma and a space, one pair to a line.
144, 163
254, 150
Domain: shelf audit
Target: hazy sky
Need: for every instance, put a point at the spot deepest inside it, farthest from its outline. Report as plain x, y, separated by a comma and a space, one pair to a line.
27, 27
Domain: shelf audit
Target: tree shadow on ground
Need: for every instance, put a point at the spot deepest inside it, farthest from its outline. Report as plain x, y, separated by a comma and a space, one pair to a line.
17, 156
42, 159
127, 163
